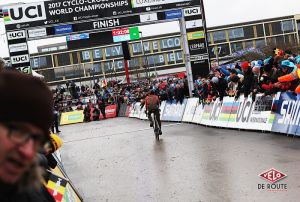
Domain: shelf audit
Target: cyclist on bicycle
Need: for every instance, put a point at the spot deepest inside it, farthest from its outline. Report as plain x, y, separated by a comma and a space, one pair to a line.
152, 106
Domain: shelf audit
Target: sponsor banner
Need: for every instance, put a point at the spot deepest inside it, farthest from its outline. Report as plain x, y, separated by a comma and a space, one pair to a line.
190, 109
261, 117
195, 35
19, 59
199, 57
198, 113
16, 35
173, 14
221, 112
128, 110
63, 11
110, 112
22, 13
146, 3
162, 108
286, 111
76, 37
174, 111
18, 47
197, 47
193, 24
148, 17
206, 114
192, 11
71, 117
143, 115
63, 29
33, 33
135, 111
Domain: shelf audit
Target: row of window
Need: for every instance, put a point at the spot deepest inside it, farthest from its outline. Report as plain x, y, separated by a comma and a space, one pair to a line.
108, 67
224, 49
247, 32
98, 54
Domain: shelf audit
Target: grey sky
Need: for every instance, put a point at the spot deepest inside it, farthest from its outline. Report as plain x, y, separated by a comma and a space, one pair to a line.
218, 12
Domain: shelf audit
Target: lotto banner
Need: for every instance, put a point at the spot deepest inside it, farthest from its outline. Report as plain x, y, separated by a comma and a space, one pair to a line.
110, 112
71, 117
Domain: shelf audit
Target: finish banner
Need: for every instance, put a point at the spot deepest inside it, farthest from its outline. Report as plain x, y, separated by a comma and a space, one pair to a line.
63, 11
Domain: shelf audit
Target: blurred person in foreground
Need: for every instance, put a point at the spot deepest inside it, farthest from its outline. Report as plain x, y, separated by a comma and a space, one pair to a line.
2, 64
24, 125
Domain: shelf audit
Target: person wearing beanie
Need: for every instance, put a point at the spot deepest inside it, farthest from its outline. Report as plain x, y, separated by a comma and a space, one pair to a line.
248, 83
24, 125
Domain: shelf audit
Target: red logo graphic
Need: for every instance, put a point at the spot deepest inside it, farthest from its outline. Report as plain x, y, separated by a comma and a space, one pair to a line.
273, 175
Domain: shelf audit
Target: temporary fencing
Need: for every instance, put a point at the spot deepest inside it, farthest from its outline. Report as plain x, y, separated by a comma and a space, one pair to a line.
279, 114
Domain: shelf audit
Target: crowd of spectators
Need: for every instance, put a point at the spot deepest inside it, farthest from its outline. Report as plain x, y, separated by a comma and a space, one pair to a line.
278, 73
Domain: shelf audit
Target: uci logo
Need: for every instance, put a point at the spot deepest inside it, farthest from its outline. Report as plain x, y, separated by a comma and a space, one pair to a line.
192, 11
16, 35
24, 13
19, 59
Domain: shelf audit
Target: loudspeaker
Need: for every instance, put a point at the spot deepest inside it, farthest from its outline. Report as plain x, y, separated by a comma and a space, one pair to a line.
126, 51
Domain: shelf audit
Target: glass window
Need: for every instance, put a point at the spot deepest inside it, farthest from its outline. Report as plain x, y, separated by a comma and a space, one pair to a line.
171, 43
298, 25
63, 59
159, 59
97, 54
236, 47
179, 56
85, 56
248, 32
260, 30
276, 28
136, 48
260, 43
249, 44
171, 58
267, 29
41, 62
115, 51
134, 63
48, 74
236, 33
119, 65
155, 46
219, 36
109, 67
223, 50
97, 68
75, 58
287, 26
208, 38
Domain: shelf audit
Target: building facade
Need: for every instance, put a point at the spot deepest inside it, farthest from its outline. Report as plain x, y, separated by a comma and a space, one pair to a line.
153, 56
158, 55
228, 39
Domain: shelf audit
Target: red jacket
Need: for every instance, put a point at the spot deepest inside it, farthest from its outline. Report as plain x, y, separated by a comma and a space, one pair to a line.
155, 97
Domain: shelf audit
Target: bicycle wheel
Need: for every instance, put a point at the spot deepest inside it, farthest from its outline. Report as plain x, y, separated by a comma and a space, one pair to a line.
156, 128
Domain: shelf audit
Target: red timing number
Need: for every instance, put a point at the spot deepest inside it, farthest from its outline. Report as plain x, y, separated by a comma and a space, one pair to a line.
117, 32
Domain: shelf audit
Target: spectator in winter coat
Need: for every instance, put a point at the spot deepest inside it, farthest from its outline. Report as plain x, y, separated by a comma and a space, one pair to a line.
247, 85
23, 131
219, 87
